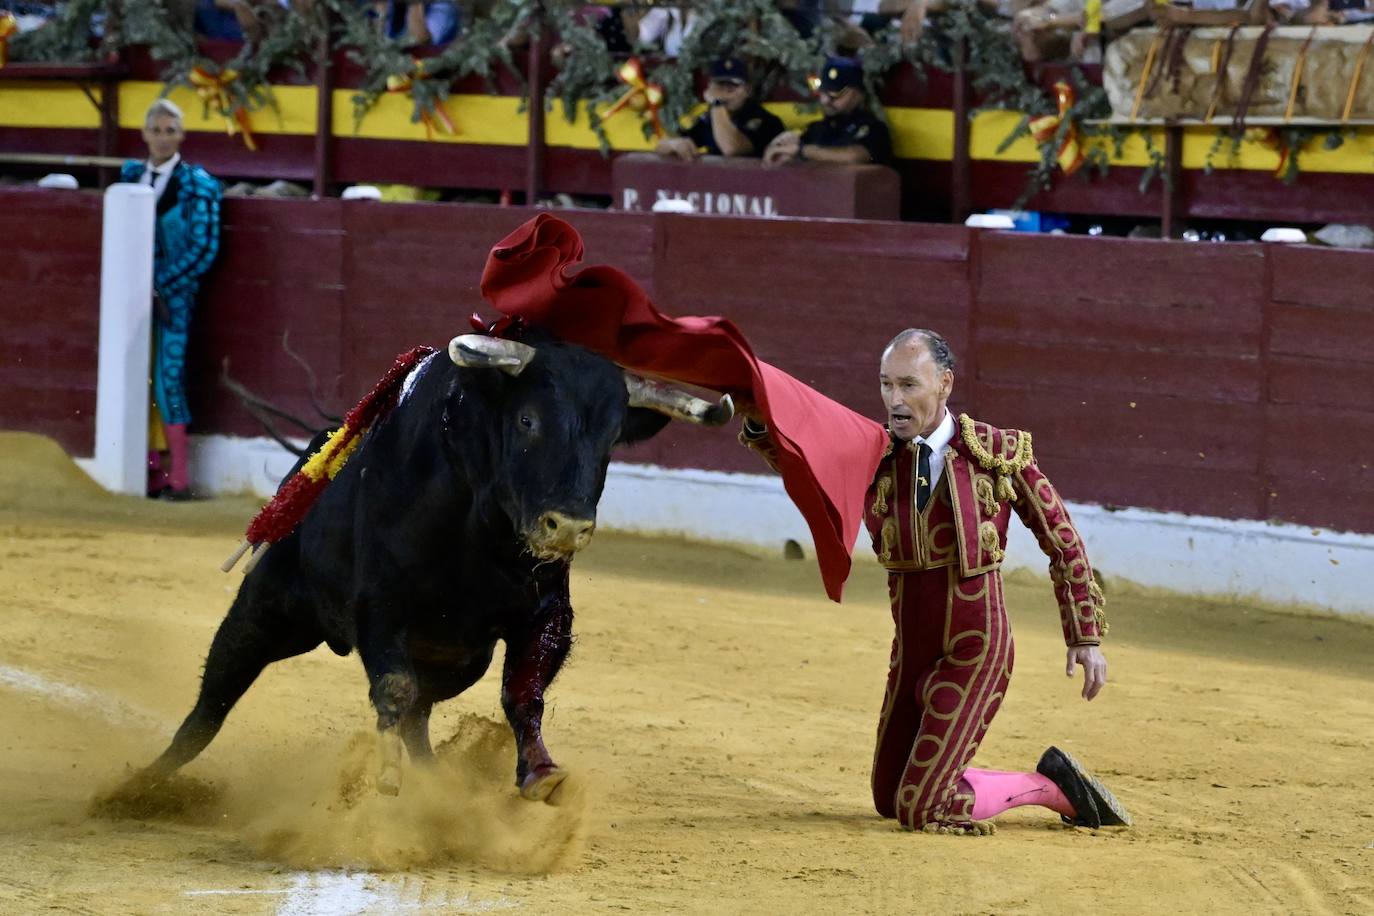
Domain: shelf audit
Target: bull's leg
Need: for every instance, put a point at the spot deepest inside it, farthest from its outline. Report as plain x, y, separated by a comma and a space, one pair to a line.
250, 638
534, 653
394, 689
414, 730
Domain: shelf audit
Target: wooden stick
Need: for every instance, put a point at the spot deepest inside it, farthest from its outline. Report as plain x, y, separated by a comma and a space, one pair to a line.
1145, 72
1355, 81
258, 551
229, 564
1297, 75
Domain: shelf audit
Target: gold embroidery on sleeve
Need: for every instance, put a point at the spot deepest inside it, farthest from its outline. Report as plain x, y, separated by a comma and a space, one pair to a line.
1099, 601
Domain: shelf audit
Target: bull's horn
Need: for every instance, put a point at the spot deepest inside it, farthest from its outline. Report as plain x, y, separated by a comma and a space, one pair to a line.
676, 403
477, 351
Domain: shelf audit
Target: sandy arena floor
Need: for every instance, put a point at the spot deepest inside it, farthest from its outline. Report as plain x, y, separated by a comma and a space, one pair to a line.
717, 713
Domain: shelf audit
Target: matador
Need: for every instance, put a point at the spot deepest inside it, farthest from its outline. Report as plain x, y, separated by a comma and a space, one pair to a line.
937, 510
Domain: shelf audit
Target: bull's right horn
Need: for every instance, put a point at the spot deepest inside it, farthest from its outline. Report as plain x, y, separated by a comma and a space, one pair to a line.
477, 351
677, 403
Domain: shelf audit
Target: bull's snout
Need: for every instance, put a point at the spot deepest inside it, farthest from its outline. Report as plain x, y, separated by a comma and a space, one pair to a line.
556, 533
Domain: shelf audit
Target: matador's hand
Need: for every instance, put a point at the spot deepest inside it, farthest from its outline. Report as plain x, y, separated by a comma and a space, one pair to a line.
1094, 668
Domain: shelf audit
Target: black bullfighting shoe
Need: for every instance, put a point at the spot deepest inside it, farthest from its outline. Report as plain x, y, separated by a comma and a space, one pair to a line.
1094, 802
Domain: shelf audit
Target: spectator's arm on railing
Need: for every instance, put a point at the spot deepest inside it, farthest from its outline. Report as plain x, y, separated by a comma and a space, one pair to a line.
841, 155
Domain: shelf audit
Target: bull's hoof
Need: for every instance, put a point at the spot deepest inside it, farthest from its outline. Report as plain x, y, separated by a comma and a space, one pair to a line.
540, 783
389, 781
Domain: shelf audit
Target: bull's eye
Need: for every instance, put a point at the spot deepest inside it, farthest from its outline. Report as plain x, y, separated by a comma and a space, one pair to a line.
526, 422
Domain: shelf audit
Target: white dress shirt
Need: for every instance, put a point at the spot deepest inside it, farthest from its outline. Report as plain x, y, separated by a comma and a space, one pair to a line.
164, 174
669, 25
939, 444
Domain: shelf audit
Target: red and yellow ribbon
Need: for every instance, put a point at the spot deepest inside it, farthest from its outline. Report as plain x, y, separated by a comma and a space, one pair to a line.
434, 117
1272, 138
1070, 152
213, 89
642, 96
298, 493
8, 27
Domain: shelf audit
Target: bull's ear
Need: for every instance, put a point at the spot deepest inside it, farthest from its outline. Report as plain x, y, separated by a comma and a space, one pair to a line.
641, 424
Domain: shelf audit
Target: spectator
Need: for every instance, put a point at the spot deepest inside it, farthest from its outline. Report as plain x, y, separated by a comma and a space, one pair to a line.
609, 22
849, 133
665, 27
227, 20
1340, 12
908, 16
1053, 29
29, 16
735, 125
186, 239
433, 23
1235, 12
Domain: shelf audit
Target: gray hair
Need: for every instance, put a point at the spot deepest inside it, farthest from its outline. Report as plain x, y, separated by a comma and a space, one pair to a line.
935, 343
163, 108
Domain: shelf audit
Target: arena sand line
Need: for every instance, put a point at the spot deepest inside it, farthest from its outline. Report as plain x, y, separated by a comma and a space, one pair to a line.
78, 698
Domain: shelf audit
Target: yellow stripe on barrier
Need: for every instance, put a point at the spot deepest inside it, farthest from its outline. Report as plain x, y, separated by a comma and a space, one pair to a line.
922, 133
44, 104
623, 130
991, 128
480, 119
918, 133
1353, 157
294, 114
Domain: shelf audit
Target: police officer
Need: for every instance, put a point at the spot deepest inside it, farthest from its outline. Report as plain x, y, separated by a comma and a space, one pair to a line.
735, 125
849, 134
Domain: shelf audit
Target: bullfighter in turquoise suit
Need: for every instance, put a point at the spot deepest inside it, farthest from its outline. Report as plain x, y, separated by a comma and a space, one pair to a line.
186, 240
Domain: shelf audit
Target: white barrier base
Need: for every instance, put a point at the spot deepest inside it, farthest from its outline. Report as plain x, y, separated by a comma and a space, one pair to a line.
1287, 564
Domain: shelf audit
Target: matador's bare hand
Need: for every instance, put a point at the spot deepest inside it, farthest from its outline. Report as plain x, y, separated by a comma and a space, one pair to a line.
1094, 668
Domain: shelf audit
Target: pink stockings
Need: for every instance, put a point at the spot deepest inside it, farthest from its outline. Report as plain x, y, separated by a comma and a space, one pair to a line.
995, 791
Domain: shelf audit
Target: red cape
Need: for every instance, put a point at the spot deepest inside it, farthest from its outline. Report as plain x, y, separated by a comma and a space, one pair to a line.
827, 453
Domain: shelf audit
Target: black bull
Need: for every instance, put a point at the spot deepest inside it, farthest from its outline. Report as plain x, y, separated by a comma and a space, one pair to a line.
452, 526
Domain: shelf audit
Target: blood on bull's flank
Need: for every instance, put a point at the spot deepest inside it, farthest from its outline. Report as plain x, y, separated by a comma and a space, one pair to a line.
430, 526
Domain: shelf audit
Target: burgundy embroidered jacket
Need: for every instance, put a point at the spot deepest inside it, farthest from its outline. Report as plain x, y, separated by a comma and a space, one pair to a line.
988, 473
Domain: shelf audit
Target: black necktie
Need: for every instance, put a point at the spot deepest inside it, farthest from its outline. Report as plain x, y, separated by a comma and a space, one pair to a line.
156, 175
922, 475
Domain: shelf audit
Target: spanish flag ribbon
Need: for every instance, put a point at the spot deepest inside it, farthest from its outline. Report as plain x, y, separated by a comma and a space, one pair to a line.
434, 117
298, 493
8, 27
213, 89
1272, 138
1070, 152
641, 97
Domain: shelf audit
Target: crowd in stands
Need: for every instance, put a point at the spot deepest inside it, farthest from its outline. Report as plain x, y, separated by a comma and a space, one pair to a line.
1044, 29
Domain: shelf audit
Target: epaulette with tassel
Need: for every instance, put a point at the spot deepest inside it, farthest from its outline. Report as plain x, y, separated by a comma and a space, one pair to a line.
1004, 468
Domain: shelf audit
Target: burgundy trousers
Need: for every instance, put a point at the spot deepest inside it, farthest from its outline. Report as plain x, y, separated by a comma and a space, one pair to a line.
951, 662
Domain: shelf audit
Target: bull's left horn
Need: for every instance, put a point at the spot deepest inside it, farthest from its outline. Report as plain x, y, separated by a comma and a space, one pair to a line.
676, 403
477, 351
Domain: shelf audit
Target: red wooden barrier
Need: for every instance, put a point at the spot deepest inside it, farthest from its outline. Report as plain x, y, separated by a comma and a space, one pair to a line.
1224, 380
49, 313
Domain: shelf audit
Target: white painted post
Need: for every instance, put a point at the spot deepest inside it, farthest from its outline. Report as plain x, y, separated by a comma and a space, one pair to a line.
126, 297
